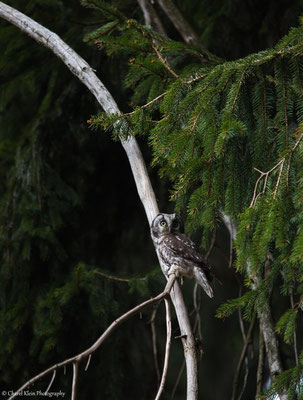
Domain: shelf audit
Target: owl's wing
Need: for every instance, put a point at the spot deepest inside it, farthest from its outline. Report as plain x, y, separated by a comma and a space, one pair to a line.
186, 240
181, 245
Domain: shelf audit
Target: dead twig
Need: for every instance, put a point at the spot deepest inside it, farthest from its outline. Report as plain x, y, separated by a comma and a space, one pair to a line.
167, 349
260, 363
242, 357
154, 343
265, 175
51, 382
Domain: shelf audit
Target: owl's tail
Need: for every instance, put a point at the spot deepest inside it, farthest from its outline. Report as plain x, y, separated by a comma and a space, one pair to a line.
203, 281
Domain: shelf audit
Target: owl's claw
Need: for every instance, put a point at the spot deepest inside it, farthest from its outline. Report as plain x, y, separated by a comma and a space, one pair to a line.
174, 269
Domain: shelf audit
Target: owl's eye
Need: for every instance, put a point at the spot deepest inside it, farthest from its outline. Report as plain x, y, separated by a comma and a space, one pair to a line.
163, 222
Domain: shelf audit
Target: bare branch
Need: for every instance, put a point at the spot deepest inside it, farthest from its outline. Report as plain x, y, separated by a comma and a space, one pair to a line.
247, 341
177, 381
294, 334
260, 363
75, 380
51, 382
154, 343
117, 278
212, 244
151, 17
167, 349
188, 34
270, 341
88, 362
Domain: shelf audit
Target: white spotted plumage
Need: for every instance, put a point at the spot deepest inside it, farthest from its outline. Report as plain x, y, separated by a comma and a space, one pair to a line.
173, 247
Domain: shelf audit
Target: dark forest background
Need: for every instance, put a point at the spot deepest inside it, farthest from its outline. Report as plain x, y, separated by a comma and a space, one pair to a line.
75, 246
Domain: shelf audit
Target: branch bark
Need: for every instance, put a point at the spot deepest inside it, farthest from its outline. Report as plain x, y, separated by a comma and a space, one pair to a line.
188, 34
167, 349
151, 17
81, 69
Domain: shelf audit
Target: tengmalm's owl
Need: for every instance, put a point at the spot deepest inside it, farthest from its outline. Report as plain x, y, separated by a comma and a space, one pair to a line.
175, 248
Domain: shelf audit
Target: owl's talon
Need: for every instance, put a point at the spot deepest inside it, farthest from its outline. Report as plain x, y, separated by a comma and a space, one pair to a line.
174, 269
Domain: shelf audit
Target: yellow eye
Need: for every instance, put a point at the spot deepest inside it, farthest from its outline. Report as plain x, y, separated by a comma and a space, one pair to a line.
163, 223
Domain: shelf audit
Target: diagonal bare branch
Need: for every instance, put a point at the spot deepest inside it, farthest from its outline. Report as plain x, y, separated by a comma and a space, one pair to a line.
186, 31
151, 17
75, 360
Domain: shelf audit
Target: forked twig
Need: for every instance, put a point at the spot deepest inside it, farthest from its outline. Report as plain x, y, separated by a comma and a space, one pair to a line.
265, 175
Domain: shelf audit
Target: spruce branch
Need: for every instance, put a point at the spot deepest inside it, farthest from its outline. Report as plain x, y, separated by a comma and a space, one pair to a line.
113, 120
150, 103
164, 62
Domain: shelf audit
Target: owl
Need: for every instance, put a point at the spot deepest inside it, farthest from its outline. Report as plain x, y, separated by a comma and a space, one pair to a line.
174, 247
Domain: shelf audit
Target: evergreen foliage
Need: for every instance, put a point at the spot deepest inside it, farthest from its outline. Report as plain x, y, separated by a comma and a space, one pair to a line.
228, 135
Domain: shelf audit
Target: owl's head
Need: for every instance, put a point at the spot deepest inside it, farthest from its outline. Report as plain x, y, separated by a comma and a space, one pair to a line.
166, 223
